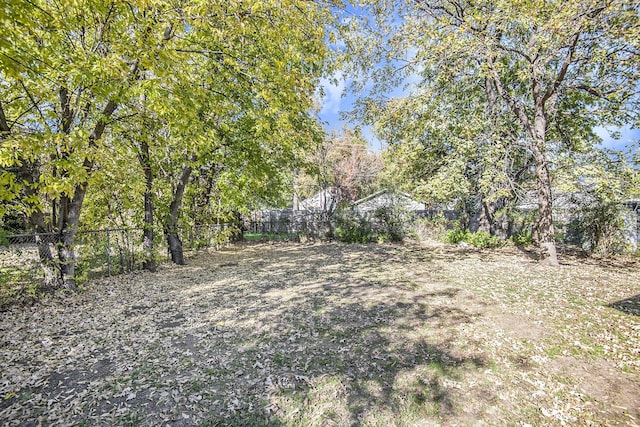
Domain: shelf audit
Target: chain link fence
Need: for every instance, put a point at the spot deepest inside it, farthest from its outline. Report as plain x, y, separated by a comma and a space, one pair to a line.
99, 253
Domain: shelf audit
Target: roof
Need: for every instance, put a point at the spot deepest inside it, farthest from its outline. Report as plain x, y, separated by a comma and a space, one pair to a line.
387, 198
324, 200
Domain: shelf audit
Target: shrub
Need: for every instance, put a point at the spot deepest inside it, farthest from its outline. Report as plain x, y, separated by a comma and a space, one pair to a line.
479, 239
599, 228
432, 228
523, 238
352, 229
392, 223
456, 235
482, 239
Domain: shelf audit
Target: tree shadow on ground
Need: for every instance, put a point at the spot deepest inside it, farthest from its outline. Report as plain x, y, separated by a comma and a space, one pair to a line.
530, 253
328, 346
345, 364
629, 305
291, 336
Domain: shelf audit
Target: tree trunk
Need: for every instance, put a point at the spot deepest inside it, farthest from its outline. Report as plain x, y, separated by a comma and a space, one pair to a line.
70, 208
149, 262
485, 222
296, 200
171, 228
45, 257
175, 247
69, 220
545, 231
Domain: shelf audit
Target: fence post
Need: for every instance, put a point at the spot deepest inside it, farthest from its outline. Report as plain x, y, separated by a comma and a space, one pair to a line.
108, 254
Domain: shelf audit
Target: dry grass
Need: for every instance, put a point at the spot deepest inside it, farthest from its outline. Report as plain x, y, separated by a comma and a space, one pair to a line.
332, 334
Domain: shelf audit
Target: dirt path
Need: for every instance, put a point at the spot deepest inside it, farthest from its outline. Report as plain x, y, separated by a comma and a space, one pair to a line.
332, 334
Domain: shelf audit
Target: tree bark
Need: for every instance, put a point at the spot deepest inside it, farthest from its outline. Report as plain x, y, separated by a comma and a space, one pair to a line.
296, 200
48, 265
485, 221
38, 226
69, 221
147, 238
171, 227
70, 208
545, 230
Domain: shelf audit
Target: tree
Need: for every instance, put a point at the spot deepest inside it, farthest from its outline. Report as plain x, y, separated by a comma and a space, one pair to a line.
550, 72
343, 161
85, 86
65, 72
246, 114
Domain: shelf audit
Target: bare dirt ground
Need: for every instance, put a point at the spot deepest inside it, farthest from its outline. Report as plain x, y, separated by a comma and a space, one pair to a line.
333, 334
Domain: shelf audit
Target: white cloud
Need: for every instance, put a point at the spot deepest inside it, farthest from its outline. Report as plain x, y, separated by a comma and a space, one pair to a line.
333, 91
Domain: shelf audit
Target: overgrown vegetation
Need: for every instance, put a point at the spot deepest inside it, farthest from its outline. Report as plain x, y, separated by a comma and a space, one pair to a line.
599, 227
392, 223
523, 237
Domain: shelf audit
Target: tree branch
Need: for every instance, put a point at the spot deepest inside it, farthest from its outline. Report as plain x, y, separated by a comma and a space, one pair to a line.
34, 103
513, 105
563, 70
67, 113
4, 127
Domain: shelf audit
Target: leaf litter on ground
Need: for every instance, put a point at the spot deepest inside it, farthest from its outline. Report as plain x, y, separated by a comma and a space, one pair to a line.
327, 333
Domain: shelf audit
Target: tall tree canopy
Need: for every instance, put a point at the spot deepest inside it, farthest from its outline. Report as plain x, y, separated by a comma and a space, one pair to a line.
497, 77
87, 87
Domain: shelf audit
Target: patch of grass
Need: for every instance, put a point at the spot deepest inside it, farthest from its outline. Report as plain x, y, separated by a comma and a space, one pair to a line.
265, 237
281, 359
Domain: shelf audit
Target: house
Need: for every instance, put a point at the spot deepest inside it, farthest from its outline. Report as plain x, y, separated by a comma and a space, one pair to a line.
326, 200
386, 198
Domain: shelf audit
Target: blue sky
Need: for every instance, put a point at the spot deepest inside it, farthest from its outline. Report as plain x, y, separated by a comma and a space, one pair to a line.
337, 101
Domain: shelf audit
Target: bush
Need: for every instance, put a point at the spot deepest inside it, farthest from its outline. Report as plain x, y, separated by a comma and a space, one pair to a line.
479, 239
386, 224
482, 239
352, 229
432, 228
523, 238
456, 235
392, 223
599, 228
